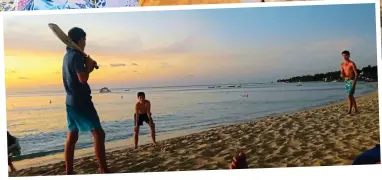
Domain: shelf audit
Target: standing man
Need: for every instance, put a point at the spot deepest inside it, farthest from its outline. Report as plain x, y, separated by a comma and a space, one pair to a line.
80, 110
350, 74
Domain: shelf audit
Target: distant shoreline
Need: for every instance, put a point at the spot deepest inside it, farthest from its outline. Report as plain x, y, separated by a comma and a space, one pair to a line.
96, 91
368, 74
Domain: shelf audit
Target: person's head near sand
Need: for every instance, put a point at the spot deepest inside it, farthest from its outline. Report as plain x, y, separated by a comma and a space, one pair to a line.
78, 36
346, 55
143, 114
239, 161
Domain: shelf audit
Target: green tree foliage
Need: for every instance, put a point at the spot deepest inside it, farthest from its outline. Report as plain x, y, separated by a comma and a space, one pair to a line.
368, 73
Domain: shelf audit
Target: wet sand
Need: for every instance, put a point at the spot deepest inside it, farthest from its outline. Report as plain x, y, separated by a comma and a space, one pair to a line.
323, 136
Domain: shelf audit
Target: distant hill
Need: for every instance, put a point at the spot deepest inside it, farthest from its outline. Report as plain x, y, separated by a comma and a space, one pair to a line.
369, 74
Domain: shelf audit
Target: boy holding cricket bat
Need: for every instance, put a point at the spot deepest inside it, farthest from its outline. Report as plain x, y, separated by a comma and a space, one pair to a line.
81, 113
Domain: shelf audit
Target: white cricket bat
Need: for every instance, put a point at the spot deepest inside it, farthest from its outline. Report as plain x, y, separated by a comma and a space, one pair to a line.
65, 39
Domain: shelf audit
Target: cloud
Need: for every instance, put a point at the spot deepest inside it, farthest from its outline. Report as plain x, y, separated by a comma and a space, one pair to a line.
46, 39
102, 43
102, 65
134, 64
117, 65
115, 45
332, 44
164, 65
192, 43
23, 78
10, 71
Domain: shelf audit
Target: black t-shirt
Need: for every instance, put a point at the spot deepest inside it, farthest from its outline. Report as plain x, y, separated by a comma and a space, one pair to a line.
11, 140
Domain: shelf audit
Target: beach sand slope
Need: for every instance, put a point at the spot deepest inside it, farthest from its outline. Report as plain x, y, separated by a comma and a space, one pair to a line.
322, 136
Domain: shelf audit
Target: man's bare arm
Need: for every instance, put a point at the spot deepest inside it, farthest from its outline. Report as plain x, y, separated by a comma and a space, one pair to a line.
355, 72
342, 71
149, 111
83, 74
136, 115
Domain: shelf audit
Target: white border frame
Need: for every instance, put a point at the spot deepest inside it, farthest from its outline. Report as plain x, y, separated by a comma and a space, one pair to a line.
343, 172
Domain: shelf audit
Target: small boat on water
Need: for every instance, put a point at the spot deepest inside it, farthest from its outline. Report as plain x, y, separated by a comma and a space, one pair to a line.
238, 86
127, 89
231, 86
104, 90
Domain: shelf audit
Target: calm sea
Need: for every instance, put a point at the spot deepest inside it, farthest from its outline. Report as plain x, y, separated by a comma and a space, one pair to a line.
39, 119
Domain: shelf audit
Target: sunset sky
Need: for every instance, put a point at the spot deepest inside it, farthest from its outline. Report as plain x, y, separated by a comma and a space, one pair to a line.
192, 46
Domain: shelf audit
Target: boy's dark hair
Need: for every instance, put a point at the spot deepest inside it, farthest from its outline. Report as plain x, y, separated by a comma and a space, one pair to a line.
346, 52
76, 34
141, 94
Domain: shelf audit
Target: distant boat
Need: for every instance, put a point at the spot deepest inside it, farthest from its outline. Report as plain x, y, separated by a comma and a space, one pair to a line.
218, 86
231, 86
104, 90
211, 86
299, 84
239, 86
127, 89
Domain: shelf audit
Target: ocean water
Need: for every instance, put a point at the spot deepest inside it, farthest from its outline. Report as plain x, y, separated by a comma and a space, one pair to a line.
41, 125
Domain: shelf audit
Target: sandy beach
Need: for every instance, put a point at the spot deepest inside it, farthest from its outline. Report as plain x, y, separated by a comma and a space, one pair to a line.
322, 136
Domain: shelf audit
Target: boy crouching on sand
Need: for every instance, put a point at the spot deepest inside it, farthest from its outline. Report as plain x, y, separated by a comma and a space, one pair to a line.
13, 150
143, 113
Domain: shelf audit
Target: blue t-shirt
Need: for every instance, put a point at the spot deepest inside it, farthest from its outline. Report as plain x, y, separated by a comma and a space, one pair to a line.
77, 93
371, 156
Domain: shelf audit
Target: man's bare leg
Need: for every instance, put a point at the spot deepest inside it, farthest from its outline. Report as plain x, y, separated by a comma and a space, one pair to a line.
350, 104
152, 127
355, 105
136, 134
70, 145
10, 164
99, 148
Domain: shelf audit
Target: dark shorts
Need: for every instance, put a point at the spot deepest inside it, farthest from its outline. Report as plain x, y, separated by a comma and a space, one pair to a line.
82, 119
141, 118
